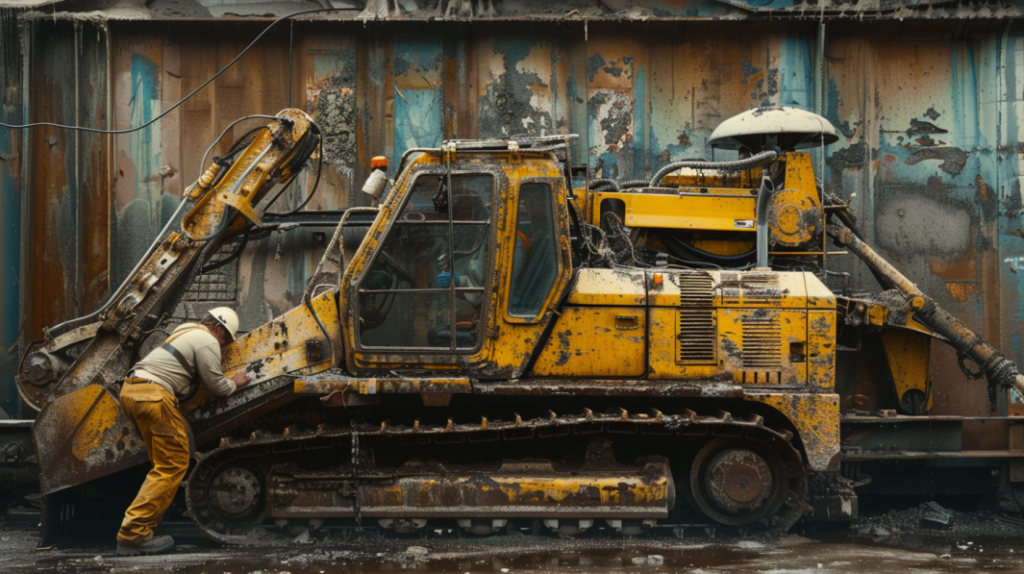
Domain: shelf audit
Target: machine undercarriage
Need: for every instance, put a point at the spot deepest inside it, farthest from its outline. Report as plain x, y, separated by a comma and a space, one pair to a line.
564, 471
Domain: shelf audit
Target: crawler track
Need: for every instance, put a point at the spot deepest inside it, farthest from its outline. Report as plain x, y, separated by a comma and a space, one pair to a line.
342, 444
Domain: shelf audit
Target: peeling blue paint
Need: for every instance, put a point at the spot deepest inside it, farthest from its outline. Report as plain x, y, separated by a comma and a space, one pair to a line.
639, 123
10, 264
418, 121
419, 116
796, 82
136, 225
578, 119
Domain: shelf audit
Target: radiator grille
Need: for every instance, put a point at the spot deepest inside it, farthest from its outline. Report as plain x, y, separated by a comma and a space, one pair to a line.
762, 342
750, 288
695, 289
697, 336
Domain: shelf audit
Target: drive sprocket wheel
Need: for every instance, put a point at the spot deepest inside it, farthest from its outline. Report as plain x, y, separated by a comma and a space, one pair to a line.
744, 482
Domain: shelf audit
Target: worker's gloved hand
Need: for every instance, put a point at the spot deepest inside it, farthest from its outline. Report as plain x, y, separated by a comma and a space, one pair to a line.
444, 279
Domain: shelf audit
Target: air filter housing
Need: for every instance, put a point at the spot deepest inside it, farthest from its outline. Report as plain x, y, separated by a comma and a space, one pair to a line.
769, 127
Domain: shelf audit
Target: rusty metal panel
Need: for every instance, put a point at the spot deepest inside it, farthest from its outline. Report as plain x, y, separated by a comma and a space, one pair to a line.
93, 175
52, 243
11, 163
375, 86
64, 249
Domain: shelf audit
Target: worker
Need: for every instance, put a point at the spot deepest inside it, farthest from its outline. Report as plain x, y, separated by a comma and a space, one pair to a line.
150, 397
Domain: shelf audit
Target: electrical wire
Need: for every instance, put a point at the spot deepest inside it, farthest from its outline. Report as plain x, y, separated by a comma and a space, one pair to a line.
182, 100
235, 147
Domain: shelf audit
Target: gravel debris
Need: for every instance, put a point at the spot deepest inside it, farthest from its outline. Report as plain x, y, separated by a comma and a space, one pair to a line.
914, 521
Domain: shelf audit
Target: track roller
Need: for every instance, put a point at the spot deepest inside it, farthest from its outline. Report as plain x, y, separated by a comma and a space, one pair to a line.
568, 527
482, 526
630, 527
403, 525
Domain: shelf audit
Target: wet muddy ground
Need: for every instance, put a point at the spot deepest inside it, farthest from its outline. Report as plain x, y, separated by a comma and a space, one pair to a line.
815, 551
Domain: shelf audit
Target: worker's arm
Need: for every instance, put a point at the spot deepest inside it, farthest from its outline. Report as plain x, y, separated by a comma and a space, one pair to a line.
210, 373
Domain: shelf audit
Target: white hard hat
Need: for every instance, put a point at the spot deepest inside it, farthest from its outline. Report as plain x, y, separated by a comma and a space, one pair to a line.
227, 318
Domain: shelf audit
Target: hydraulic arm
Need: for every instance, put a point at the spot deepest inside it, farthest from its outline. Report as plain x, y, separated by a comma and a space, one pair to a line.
224, 197
1000, 371
80, 433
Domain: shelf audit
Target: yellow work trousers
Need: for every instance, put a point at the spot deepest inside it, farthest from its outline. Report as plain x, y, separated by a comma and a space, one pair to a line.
155, 413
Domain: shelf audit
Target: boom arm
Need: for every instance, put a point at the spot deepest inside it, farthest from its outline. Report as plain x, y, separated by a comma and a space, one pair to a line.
1000, 371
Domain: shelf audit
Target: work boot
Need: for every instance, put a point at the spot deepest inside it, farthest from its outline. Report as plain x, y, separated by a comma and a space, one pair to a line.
154, 545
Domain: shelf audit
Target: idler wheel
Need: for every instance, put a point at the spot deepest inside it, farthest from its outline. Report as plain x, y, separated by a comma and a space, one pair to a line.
737, 482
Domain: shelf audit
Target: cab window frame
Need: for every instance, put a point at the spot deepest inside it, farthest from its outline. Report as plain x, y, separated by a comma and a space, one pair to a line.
557, 187
410, 179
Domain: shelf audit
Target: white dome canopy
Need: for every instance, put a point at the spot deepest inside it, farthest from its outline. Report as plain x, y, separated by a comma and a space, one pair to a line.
770, 126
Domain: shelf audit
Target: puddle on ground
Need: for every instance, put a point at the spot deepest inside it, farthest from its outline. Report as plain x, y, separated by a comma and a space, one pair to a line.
829, 553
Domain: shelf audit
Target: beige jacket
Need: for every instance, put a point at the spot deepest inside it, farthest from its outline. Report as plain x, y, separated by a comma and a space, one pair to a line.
201, 349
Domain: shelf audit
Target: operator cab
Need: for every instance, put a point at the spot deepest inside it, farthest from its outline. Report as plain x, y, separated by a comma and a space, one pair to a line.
465, 248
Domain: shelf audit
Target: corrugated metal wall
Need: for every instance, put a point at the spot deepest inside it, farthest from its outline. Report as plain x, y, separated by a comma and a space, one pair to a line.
929, 114
11, 192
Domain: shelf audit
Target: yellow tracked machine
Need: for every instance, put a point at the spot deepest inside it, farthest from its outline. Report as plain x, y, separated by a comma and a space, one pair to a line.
500, 343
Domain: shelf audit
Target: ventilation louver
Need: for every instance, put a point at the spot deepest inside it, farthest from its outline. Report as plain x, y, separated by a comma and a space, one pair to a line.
697, 333
762, 342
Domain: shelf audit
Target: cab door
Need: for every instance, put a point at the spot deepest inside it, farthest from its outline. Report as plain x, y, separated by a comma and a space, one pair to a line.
536, 269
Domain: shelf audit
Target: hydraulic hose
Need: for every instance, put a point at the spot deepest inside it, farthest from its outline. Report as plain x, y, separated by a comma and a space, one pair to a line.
738, 165
679, 248
633, 183
599, 184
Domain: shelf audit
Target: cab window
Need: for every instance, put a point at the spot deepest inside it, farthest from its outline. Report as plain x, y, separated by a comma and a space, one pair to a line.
535, 257
425, 286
